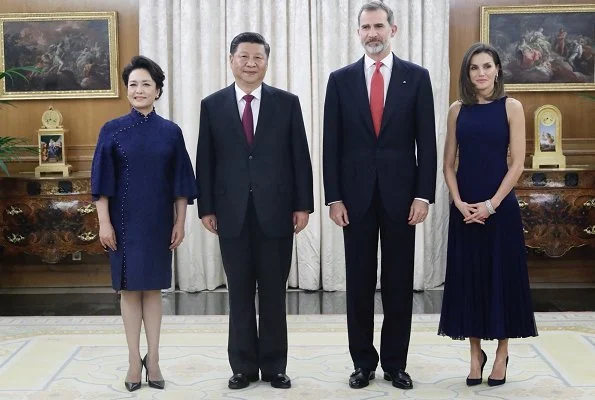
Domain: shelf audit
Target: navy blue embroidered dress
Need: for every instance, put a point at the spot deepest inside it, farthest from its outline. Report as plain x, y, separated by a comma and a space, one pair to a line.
486, 292
142, 166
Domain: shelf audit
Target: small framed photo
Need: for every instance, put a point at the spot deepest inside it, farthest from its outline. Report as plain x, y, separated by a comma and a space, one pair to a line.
543, 47
75, 55
51, 148
548, 138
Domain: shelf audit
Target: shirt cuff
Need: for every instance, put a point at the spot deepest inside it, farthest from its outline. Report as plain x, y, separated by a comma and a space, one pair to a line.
424, 200
333, 202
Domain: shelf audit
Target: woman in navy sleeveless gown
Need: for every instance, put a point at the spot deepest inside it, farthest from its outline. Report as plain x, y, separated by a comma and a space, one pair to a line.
142, 180
486, 293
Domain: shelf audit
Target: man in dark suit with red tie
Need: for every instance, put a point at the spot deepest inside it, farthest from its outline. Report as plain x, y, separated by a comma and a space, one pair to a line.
379, 163
255, 176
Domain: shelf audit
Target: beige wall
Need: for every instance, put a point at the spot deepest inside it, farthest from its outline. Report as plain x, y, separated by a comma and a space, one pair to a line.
82, 117
577, 112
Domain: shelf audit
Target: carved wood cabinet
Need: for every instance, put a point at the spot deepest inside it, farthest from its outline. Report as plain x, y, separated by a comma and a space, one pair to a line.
557, 208
50, 217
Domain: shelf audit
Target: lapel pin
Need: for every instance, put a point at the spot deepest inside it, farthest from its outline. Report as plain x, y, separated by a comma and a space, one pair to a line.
404, 81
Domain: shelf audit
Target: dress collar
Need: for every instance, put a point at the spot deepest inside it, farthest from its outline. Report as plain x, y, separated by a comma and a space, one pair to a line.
139, 115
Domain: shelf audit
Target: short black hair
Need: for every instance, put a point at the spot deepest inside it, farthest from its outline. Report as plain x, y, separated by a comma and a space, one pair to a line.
142, 62
466, 89
249, 37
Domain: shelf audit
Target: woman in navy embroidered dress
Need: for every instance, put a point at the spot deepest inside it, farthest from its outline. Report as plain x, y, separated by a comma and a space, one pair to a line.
486, 293
142, 180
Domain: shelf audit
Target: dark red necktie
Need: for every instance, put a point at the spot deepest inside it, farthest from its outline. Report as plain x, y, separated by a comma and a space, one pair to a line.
248, 119
377, 97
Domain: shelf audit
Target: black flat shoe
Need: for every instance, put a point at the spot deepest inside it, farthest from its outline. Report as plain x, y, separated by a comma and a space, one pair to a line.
279, 381
160, 384
477, 381
132, 386
400, 379
498, 382
360, 378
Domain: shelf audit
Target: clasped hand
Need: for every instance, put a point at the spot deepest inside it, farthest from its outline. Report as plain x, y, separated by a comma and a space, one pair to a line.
473, 213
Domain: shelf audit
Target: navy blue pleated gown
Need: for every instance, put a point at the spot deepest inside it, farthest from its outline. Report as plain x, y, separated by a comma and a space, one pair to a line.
486, 293
142, 166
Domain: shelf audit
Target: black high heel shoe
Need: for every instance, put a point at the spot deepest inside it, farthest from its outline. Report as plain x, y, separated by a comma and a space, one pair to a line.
477, 381
154, 384
498, 382
132, 386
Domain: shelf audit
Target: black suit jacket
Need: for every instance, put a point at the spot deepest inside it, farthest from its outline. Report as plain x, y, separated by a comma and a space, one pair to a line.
354, 159
276, 169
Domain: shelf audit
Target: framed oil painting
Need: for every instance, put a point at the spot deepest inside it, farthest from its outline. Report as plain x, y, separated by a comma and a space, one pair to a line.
75, 55
543, 48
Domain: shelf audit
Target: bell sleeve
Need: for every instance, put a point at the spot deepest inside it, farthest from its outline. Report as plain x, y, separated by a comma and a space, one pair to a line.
103, 169
185, 184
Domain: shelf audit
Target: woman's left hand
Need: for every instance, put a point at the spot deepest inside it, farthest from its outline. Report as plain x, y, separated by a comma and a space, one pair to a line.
478, 216
177, 235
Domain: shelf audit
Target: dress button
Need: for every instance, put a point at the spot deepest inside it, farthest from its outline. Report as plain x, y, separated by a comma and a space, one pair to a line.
250, 157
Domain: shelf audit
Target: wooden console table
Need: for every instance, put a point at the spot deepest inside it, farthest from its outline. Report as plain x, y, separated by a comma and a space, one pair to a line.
50, 217
557, 208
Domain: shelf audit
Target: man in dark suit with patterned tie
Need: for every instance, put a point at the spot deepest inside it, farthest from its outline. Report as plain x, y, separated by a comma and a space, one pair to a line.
379, 164
255, 176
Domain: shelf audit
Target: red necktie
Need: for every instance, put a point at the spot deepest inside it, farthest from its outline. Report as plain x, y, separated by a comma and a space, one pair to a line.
377, 97
248, 119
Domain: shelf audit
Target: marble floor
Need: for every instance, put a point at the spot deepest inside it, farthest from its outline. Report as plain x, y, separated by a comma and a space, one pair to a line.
103, 301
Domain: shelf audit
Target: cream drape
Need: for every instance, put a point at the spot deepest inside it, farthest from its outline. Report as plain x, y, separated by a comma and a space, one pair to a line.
309, 39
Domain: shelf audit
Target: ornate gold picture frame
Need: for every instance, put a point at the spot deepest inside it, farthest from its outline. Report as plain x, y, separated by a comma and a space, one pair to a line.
543, 48
75, 54
548, 138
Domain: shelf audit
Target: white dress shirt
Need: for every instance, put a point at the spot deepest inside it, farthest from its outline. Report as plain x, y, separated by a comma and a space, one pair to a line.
257, 93
386, 70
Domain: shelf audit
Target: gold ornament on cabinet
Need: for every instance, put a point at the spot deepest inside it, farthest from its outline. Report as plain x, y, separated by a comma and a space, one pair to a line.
548, 138
52, 148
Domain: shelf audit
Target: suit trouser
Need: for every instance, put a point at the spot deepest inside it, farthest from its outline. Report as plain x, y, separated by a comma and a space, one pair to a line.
249, 259
397, 242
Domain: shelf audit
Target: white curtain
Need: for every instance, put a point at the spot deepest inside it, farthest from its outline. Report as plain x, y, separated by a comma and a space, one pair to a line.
309, 39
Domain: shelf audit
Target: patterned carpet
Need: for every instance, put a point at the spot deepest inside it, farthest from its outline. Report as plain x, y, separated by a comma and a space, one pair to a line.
85, 358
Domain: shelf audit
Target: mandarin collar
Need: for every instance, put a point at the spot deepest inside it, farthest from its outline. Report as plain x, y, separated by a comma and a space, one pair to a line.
139, 115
